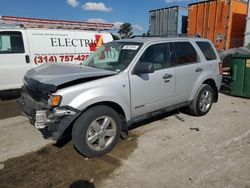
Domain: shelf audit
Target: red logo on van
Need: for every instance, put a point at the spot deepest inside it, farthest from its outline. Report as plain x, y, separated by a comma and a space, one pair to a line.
98, 43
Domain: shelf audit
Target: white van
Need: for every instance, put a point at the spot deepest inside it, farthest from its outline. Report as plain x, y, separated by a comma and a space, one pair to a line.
22, 49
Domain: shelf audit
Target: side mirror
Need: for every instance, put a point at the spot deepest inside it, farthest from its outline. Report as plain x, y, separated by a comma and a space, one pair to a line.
144, 68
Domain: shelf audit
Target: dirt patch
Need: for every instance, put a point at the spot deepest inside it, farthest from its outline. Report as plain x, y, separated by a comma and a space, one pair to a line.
63, 167
9, 108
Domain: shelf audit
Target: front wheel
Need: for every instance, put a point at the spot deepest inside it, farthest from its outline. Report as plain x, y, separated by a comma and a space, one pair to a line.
203, 101
97, 131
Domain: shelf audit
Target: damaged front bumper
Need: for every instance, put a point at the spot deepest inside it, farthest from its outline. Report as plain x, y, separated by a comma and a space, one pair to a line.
43, 117
52, 123
57, 122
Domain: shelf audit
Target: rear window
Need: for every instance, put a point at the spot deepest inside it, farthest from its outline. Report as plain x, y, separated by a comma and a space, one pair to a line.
207, 50
185, 53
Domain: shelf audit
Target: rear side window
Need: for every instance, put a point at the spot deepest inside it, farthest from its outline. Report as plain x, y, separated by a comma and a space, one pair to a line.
207, 50
185, 53
11, 42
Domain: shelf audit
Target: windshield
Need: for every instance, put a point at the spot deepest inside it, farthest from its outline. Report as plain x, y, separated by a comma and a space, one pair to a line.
114, 56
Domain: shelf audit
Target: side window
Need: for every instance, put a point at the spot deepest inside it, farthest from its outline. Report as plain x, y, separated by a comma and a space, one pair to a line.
207, 50
185, 53
11, 42
159, 55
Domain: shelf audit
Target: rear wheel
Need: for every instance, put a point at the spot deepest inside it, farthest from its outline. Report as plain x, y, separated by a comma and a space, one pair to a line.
97, 131
203, 101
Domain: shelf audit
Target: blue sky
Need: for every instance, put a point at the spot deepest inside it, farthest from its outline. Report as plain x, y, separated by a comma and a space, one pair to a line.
110, 11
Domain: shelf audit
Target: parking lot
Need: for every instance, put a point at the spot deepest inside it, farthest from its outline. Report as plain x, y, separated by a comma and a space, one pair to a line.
174, 150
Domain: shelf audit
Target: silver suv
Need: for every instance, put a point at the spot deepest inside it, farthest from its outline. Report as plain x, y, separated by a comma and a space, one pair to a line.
123, 82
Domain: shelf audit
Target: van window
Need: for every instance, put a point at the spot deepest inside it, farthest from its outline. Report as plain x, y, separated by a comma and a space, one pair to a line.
11, 42
207, 50
185, 53
159, 55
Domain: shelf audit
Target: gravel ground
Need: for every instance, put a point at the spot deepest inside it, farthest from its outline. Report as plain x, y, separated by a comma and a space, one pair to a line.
170, 151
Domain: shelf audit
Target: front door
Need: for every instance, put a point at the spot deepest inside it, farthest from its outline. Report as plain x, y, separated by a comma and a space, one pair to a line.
153, 91
13, 60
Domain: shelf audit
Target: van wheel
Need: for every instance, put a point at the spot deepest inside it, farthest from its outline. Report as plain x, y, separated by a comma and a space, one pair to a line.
203, 101
97, 131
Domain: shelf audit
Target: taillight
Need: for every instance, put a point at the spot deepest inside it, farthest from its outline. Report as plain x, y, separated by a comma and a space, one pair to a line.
220, 69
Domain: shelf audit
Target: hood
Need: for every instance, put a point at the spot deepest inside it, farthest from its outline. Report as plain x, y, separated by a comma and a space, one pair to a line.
51, 77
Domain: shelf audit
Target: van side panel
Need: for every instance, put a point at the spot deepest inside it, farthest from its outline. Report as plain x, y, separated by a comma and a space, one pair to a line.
44, 45
51, 46
91, 41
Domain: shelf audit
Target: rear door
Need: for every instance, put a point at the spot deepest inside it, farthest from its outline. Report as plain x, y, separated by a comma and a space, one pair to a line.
153, 91
188, 69
14, 59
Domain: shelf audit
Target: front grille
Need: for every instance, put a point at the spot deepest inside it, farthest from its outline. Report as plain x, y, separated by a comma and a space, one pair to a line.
39, 96
30, 102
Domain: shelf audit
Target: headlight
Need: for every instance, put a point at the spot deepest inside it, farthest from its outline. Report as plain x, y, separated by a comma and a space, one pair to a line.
55, 100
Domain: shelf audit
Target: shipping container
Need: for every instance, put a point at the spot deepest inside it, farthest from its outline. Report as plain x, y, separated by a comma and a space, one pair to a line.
221, 21
247, 33
169, 22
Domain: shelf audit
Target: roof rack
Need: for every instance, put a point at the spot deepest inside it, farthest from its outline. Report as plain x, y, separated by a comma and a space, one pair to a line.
161, 36
53, 24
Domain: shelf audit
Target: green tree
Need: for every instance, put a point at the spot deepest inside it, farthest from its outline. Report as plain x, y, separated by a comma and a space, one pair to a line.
146, 34
125, 31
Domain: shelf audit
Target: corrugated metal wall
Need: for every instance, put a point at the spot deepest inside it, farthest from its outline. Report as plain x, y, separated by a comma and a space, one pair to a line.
171, 21
222, 21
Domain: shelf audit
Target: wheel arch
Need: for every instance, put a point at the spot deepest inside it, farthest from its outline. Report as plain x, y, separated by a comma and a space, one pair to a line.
212, 83
92, 125
208, 81
111, 104
119, 110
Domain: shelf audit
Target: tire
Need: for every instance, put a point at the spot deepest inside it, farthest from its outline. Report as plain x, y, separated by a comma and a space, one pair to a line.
91, 136
203, 101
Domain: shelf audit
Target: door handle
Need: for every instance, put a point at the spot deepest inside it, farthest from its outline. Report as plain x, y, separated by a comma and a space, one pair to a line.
27, 59
198, 69
167, 76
